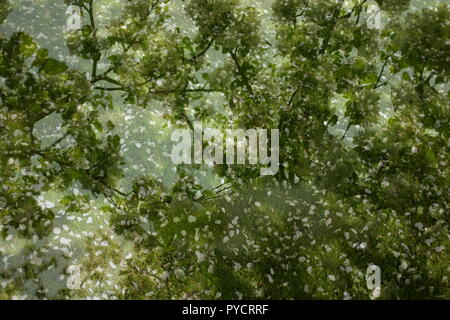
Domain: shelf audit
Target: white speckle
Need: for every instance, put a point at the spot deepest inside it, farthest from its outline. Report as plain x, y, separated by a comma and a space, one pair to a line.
376, 293
65, 241
430, 241
74, 280
347, 296
165, 275
200, 256
49, 204
403, 265
198, 195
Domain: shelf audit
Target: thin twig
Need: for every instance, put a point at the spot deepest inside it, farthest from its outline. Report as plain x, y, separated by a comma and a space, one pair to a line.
346, 130
203, 52
242, 73
381, 73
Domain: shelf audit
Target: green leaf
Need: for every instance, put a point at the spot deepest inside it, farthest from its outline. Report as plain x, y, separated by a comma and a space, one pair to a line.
405, 76
52, 66
27, 45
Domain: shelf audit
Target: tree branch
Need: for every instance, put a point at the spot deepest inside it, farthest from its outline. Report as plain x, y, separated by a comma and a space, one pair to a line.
332, 26
294, 94
242, 73
357, 8
377, 84
203, 52
303, 10
59, 140
111, 89
346, 130
381, 73
95, 60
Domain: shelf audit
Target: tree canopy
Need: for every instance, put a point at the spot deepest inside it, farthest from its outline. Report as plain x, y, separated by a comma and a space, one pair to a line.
364, 124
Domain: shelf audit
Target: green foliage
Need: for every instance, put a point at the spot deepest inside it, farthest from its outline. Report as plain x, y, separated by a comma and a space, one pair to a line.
5, 8
364, 179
